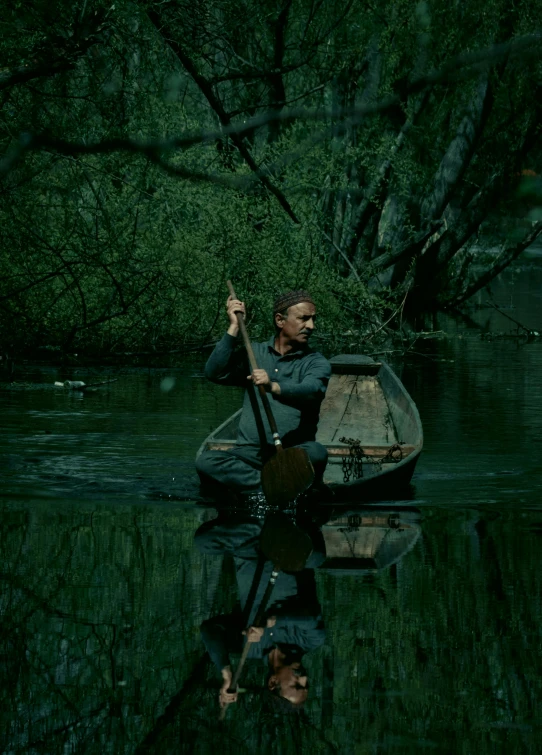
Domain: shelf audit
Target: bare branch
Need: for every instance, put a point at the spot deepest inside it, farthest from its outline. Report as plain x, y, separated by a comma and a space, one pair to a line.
74, 48
409, 250
49, 276
224, 118
459, 67
343, 255
508, 255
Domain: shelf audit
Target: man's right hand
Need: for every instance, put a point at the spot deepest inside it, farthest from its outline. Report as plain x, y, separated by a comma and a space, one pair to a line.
233, 306
225, 697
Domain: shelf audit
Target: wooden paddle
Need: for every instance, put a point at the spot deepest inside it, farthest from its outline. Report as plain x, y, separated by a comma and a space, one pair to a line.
288, 548
289, 473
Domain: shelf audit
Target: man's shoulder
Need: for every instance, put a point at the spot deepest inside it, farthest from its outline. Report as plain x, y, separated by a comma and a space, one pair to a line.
317, 359
314, 353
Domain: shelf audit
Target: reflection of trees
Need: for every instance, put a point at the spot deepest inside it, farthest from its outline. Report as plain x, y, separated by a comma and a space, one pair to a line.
100, 617
99, 638
439, 649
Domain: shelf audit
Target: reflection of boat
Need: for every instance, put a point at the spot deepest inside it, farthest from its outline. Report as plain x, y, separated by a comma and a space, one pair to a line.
368, 541
369, 425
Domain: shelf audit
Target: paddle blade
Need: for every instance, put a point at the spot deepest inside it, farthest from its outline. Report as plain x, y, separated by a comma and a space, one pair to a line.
285, 544
286, 475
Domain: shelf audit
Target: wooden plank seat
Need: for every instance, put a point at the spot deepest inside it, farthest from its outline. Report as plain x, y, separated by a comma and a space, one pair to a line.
334, 451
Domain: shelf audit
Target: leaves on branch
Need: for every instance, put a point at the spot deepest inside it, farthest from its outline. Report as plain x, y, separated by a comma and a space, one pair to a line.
374, 132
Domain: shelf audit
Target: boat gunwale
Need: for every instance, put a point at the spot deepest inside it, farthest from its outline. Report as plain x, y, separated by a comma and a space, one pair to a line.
400, 385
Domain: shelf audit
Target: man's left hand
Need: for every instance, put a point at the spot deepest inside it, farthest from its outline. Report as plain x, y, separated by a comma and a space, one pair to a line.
260, 377
254, 634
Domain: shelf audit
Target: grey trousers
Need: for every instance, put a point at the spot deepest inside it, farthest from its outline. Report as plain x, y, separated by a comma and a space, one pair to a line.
240, 469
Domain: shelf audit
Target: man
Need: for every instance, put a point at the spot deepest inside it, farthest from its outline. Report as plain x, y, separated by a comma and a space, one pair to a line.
295, 378
294, 623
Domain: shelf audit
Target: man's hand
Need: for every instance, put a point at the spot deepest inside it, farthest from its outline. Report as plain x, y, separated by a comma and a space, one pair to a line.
254, 634
260, 377
233, 306
271, 621
225, 697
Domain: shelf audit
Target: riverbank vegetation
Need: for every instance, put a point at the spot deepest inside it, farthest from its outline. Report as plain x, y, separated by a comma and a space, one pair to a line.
368, 152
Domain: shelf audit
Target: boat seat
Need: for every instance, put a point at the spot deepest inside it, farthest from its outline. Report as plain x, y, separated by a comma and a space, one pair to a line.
334, 451
374, 451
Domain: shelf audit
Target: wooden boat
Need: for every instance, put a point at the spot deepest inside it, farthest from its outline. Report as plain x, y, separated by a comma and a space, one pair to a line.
369, 425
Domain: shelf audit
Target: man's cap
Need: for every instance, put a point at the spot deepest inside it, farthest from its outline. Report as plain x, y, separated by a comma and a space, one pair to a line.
289, 299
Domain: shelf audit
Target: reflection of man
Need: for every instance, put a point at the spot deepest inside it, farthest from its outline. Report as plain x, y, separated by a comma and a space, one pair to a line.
295, 378
293, 625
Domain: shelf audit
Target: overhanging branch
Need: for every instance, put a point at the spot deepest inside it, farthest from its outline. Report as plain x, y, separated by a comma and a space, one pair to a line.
508, 255
207, 91
459, 67
73, 48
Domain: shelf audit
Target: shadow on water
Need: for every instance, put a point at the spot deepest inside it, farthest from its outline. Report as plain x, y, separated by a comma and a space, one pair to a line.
431, 605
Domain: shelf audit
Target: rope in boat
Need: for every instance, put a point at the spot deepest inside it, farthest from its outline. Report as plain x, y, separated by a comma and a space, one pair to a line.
352, 465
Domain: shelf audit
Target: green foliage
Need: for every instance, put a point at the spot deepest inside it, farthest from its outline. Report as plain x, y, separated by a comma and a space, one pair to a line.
129, 249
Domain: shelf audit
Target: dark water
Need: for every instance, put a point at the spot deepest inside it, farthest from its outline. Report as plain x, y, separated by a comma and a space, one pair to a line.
102, 591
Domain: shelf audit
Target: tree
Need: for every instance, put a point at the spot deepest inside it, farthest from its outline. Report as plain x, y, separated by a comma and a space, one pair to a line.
152, 150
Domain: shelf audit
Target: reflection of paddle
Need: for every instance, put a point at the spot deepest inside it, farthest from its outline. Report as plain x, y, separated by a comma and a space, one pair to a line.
289, 472
288, 548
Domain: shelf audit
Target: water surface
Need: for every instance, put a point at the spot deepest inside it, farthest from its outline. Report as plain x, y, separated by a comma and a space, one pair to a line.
102, 592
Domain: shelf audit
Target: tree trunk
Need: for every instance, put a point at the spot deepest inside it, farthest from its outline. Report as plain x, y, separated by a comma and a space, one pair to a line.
459, 153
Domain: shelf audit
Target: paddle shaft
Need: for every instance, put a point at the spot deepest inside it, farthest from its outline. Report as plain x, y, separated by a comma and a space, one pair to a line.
254, 366
258, 620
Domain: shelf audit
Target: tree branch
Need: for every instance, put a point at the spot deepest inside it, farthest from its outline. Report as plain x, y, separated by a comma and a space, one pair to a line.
459, 67
276, 80
508, 255
75, 47
361, 214
409, 250
44, 278
207, 91
459, 153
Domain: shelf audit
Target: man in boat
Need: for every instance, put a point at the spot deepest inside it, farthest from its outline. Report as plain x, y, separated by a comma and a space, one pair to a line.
295, 378
294, 623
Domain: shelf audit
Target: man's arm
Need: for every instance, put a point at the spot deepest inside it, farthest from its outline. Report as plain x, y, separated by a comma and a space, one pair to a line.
227, 365
311, 388
307, 632
224, 696
215, 633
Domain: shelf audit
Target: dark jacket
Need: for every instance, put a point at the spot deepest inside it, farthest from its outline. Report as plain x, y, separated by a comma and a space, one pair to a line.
302, 375
294, 603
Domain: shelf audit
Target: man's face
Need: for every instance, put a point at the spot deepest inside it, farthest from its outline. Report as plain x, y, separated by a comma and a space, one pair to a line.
299, 323
293, 682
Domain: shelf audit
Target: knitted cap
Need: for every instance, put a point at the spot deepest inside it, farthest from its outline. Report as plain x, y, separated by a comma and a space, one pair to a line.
284, 301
